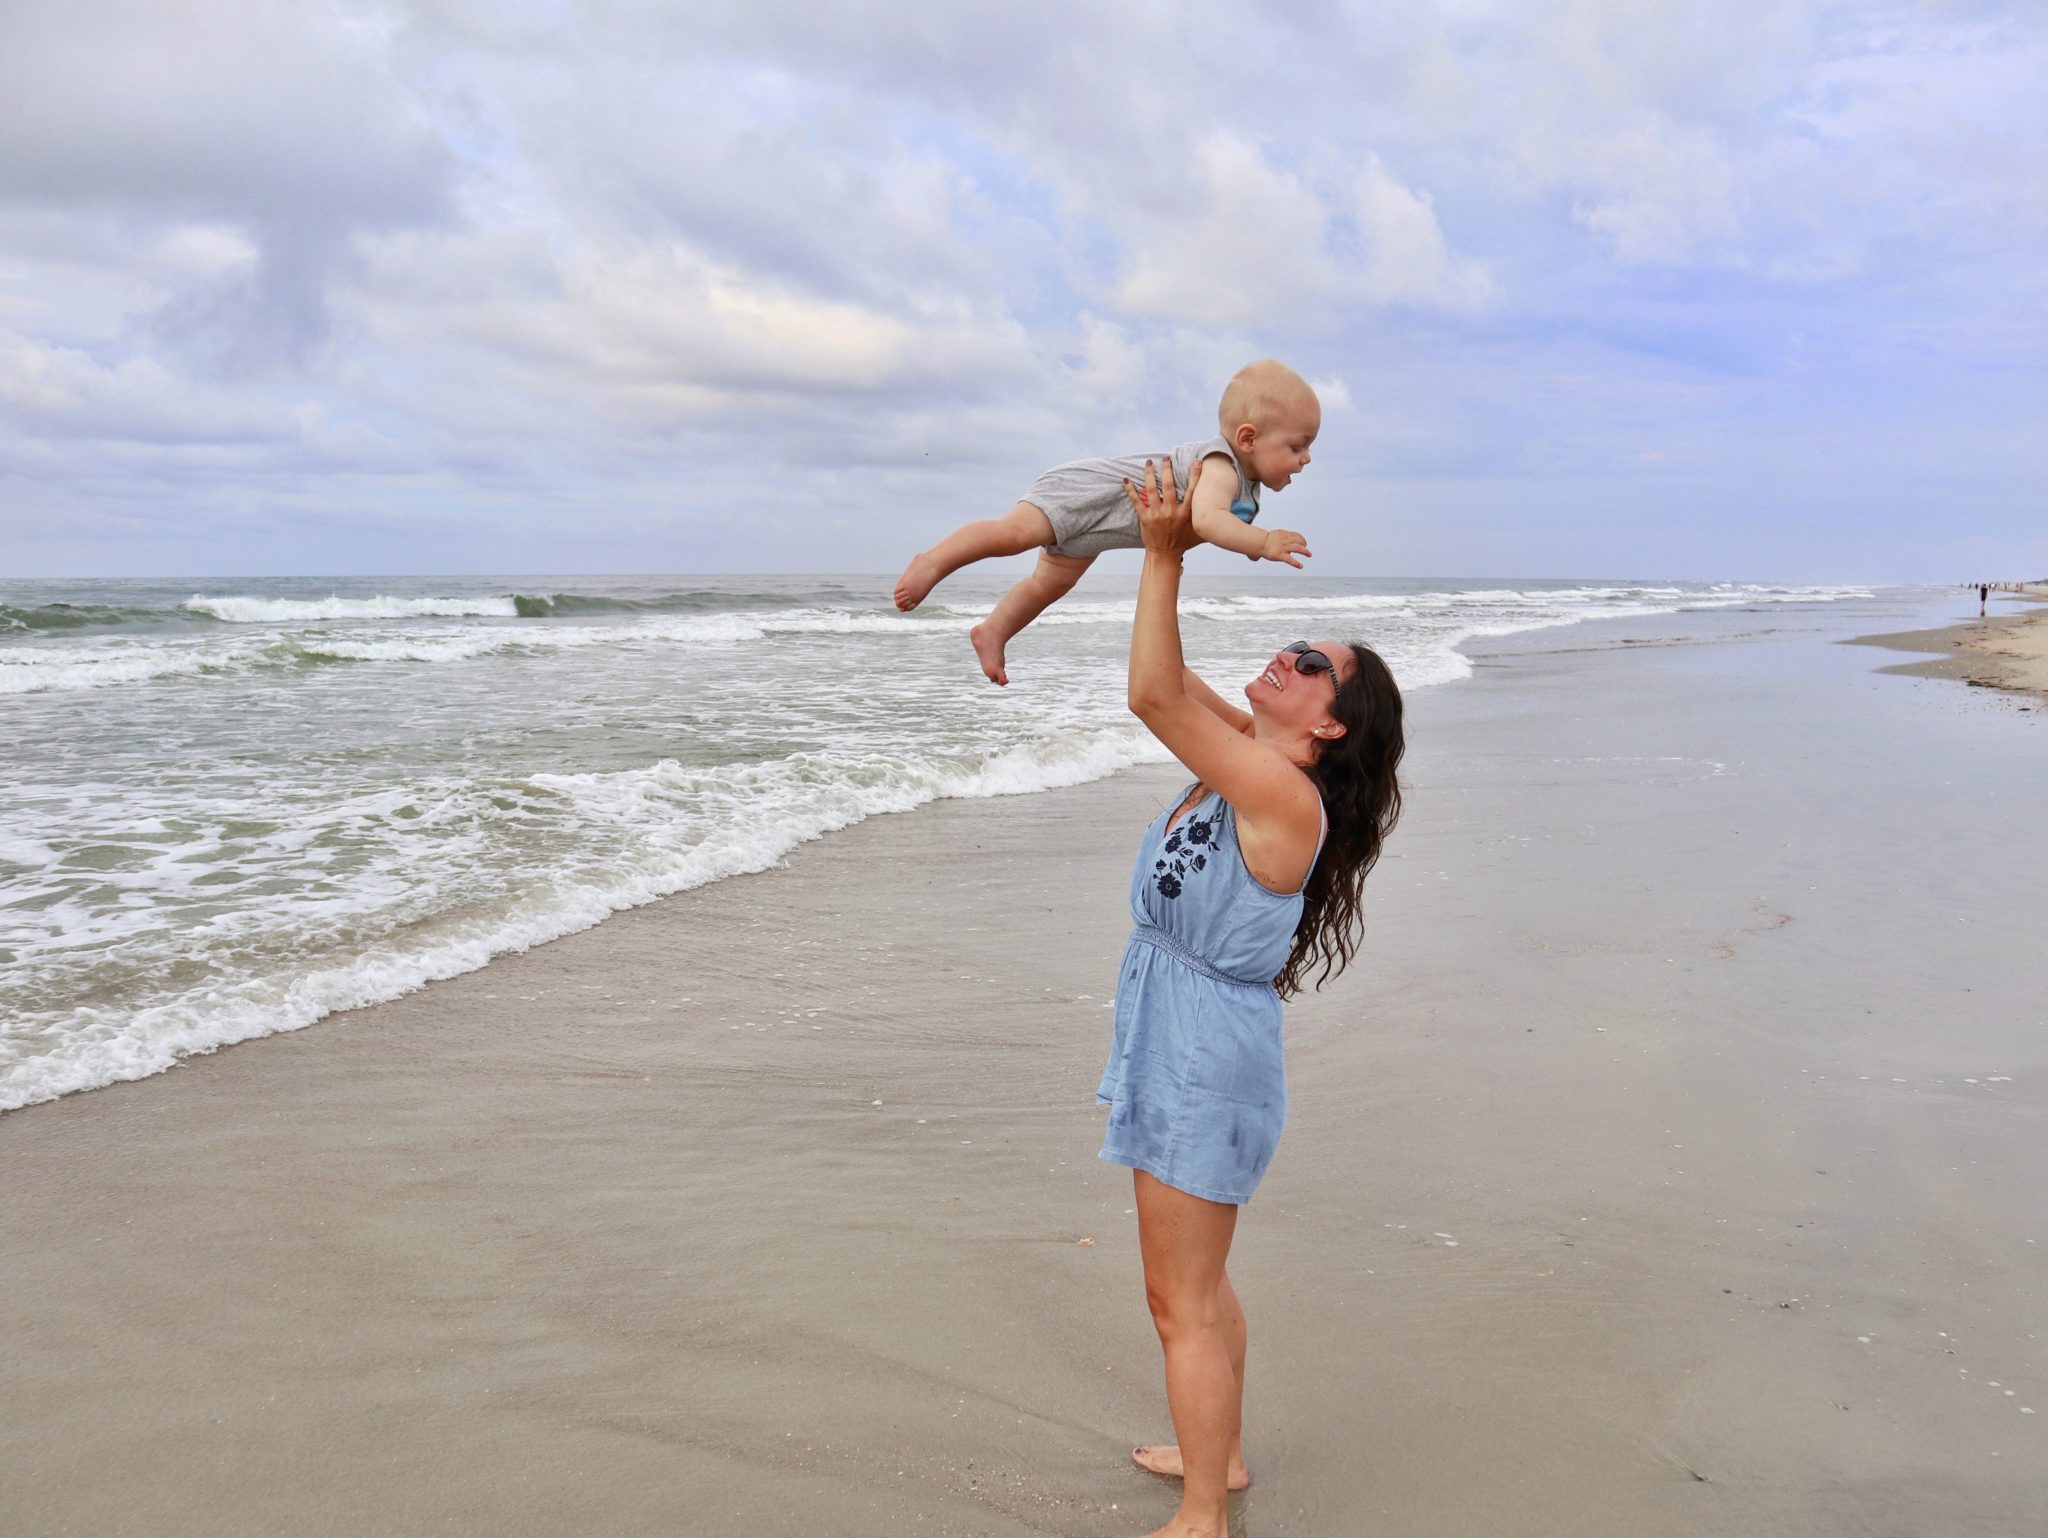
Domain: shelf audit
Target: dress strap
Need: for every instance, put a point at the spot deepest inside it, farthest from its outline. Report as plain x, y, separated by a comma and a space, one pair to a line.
1322, 833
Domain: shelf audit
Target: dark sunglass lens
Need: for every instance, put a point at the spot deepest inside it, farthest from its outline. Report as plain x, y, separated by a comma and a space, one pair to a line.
1307, 659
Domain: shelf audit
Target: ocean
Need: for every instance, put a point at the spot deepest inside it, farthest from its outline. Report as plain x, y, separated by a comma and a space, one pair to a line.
230, 808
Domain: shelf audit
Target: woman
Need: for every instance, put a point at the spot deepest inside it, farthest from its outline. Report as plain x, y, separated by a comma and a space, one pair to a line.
1239, 892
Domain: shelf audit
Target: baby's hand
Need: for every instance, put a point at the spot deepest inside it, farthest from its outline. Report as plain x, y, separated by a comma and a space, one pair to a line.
1284, 545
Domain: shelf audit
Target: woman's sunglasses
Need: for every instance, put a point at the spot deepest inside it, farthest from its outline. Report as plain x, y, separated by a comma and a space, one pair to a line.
1310, 661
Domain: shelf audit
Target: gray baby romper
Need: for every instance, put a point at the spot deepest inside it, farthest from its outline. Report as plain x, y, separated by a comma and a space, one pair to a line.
1084, 499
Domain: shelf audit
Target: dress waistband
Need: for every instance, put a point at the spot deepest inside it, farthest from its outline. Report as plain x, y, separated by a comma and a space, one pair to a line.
1159, 939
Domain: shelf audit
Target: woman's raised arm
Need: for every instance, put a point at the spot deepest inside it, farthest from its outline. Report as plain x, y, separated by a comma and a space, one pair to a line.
1199, 691
1271, 795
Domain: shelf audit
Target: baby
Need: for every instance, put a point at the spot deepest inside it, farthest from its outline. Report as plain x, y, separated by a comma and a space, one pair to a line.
1269, 416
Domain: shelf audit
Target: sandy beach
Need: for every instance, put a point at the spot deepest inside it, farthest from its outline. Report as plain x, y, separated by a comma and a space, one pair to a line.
1669, 1163
2002, 651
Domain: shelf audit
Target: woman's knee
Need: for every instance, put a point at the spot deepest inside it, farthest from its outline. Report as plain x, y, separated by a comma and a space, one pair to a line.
1180, 1310
1166, 1313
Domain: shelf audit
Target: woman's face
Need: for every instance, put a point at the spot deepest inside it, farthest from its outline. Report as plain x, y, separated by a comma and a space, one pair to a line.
1296, 700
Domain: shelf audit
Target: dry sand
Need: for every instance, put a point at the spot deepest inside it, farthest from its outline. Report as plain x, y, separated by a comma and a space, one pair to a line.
1670, 1163
2005, 651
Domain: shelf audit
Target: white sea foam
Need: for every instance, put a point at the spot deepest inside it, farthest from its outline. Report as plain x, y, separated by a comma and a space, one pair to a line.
458, 647
682, 828
370, 636
79, 667
1540, 606
239, 609
133, 661
336, 800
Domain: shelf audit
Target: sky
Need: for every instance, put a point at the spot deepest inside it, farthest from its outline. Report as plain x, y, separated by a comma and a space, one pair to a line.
1748, 289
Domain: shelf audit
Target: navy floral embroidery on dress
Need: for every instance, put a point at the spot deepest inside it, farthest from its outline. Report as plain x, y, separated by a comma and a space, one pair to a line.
1185, 848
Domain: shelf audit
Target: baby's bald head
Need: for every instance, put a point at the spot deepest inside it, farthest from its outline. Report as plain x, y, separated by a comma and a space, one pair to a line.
1266, 394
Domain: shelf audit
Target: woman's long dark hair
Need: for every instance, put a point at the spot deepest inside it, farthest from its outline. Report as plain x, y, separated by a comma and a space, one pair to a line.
1355, 774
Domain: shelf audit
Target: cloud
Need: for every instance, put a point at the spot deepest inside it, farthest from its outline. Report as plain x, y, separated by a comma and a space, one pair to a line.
1665, 194
1263, 246
661, 336
1255, 240
1407, 258
462, 259
61, 392
277, 122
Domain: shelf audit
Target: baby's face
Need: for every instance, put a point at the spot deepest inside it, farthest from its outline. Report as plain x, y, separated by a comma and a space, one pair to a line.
1279, 450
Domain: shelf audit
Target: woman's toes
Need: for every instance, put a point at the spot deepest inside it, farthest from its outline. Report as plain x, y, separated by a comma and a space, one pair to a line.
1166, 1461
1158, 1460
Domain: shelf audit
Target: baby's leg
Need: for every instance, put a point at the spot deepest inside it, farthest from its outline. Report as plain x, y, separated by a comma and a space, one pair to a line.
1024, 527
1017, 608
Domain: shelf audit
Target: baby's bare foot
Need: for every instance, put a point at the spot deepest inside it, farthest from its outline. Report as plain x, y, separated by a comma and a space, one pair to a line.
918, 579
1166, 1460
988, 647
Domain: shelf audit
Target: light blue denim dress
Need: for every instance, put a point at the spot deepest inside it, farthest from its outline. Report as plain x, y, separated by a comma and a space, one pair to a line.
1195, 1088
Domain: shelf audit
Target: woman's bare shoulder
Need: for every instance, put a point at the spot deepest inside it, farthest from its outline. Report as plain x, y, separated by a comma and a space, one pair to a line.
1279, 824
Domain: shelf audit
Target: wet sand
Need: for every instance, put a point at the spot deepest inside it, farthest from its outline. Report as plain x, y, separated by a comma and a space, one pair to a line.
2003, 651
1669, 1163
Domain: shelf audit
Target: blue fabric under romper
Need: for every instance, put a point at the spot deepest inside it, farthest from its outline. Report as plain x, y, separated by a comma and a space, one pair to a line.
1195, 1086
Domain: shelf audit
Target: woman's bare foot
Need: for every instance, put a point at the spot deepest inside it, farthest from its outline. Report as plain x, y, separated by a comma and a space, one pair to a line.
1166, 1461
918, 579
1180, 1529
988, 648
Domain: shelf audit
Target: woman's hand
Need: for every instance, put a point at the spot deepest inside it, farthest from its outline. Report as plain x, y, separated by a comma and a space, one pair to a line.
1165, 517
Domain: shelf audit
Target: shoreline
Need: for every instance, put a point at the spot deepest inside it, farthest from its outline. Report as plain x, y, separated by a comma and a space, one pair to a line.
597, 802
1609, 1201
2008, 652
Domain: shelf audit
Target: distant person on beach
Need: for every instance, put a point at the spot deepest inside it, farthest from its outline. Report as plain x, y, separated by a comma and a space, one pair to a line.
1267, 419
1242, 890
1983, 598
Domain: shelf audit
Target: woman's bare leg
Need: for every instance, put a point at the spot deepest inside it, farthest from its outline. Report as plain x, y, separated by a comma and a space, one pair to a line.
1164, 1458
1024, 527
1185, 1242
1049, 581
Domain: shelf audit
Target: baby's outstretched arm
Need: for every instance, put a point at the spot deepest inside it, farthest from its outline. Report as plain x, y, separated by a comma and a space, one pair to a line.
1219, 526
